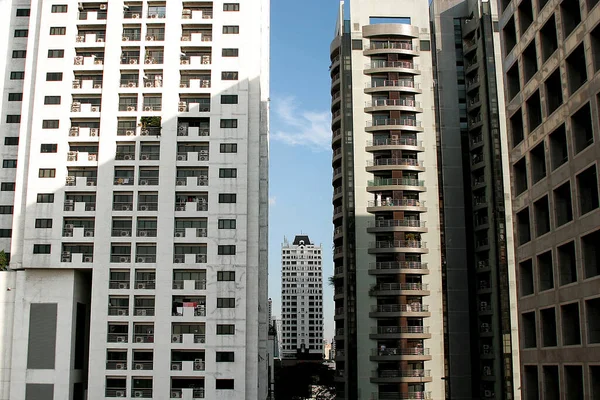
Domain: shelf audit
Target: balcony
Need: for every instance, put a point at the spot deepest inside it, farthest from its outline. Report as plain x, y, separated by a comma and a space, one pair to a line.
131, 36
336, 136
145, 284
181, 338
405, 375
78, 107
89, 181
391, 164
399, 310
191, 206
124, 181
122, 206
395, 144
402, 184
397, 332
338, 252
200, 60
114, 284
195, 365
379, 66
409, 124
399, 289
143, 338
196, 37
87, 84
181, 393
403, 85
115, 392
189, 258
389, 204
403, 104
71, 205
198, 285
184, 130
118, 311
90, 37
192, 181
144, 312
197, 232
190, 107
141, 393
398, 267
146, 232
92, 16
197, 13
391, 47
149, 181
148, 206
397, 354
396, 225
142, 365
117, 337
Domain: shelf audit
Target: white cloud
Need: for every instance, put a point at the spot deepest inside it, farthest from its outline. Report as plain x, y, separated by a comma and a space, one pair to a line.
272, 200
297, 127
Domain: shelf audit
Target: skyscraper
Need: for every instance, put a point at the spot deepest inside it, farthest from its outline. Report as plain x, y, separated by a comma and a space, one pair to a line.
387, 277
140, 198
301, 298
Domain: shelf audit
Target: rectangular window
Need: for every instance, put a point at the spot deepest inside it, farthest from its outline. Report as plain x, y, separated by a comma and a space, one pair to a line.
9, 164
5, 233
225, 302
52, 100
58, 30
227, 224
227, 198
7, 187
47, 173
59, 8
45, 198
230, 52
226, 250
21, 32
23, 12
17, 75
6, 209
41, 249
231, 7
50, 124
227, 173
229, 123
49, 148
225, 329
58, 53
15, 97
43, 223
225, 356
11, 141
226, 276
231, 29
13, 119
54, 76
229, 99
224, 384
19, 53
229, 75
228, 148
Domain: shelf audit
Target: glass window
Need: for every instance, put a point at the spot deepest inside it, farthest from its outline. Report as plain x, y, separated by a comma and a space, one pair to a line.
41, 249
58, 30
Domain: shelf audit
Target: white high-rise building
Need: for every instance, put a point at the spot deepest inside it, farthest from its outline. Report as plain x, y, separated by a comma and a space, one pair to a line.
140, 198
301, 297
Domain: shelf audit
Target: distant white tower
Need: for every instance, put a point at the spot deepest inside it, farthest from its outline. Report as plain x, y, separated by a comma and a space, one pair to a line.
301, 297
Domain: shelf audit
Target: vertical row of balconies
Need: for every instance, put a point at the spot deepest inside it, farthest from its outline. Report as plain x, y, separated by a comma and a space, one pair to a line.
399, 329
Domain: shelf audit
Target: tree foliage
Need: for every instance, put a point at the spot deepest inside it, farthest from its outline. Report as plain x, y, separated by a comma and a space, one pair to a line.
305, 380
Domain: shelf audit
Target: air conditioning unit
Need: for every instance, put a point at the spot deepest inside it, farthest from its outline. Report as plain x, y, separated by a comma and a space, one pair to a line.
90, 183
175, 395
150, 38
139, 366
126, 38
98, 61
125, 233
103, 6
126, 208
149, 61
205, 84
76, 85
186, 11
180, 208
205, 60
144, 157
72, 157
88, 259
142, 234
95, 109
133, 61
135, 16
94, 132
177, 285
186, 38
127, 156
120, 393
130, 133
141, 260
149, 84
175, 339
184, 62
68, 234
138, 393
178, 260
179, 234
183, 85
120, 366
147, 108
99, 40
181, 157
121, 312
124, 259
203, 182
69, 226
203, 152
121, 339
143, 208
487, 393
97, 86
143, 182
154, 16
80, 39
181, 182
139, 339
122, 286
74, 131
198, 366
182, 108
65, 259
175, 367
203, 158
131, 85
92, 157
91, 208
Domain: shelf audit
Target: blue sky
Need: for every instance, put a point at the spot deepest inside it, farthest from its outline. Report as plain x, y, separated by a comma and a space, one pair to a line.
300, 169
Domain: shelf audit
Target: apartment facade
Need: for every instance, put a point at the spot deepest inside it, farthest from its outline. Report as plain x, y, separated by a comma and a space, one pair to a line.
301, 299
550, 63
387, 276
139, 230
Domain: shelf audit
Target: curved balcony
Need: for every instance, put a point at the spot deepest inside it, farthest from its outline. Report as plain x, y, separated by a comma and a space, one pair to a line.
338, 252
337, 192
336, 97
396, 225
390, 204
400, 310
339, 313
337, 174
399, 289
398, 376
383, 184
377, 105
390, 30
336, 116
401, 396
337, 154
406, 124
384, 66
400, 332
336, 136
391, 47
392, 164
338, 232
335, 62
400, 85
338, 212
397, 354
394, 144
398, 267
335, 82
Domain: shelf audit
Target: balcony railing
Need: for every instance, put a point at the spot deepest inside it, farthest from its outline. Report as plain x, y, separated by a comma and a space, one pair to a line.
143, 338
399, 286
198, 285
196, 393
408, 373
401, 396
409, 162
392, 330
391, 64
125, 156
403, 223
117, 337
392, 102
402, 45
415, 351
113, 284
121, 364
144, 312
396, 182
394, 121
120, 258
118, 311
395, 142
393, 83
200, 232
178, 338
147, 232
151, 181
149, 156
413, 307
145, 284
83, 15
148, 206
120, 206
129, 180
141, 393
142, 365
116, 392
133, 60
398, 265
126, 37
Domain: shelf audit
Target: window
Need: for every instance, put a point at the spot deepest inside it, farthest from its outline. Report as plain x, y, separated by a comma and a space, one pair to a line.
52, 100
230, 52
229, 123
231, 29
49, 148
229, 99
15, 97
9, 164
23, 12
225, 356
6, 209
59, 53
225, 302
231, 7
229, 75
227, 173
13, 119
227, 198
7, 187
45, 198
226, 276
226, 250
47, 173
41, 249
228, 148
227, 224
58, 30
19, 53
11, 141
225, 329
50, 124
21, 32
5, 233
17, 75
59, 8
43, 223
54, 76
224, 384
